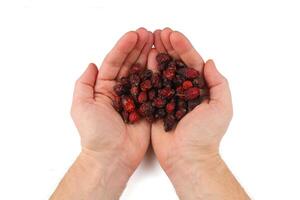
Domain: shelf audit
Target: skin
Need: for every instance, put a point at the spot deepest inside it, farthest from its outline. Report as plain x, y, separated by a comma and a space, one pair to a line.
112, 150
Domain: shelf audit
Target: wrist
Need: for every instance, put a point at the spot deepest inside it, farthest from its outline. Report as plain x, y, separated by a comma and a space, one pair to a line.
187, 173
110, 175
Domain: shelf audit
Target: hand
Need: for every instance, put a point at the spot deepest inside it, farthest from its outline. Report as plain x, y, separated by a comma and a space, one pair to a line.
200, 131
104, 135
195, 140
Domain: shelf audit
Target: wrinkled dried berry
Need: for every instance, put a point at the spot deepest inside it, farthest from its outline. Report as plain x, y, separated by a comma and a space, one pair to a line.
178, 80
172, 65
128, 104
159, 102
198, 82
146, 109
135, 68
151, 94
169, 122
169, 74
180, 64
134, 79
146, 85
180, 92
134, 91
163, 58
156, 80
193, 103
166, 82
166, 92
142, 97
187, 84
180, 113
119, 89
188, 73
160, 113
133, 117
170, 107
125, 82
161, 67
146, 74
181, 104
191, 93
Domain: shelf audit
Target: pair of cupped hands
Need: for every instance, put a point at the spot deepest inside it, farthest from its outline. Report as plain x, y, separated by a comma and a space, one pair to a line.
118, 148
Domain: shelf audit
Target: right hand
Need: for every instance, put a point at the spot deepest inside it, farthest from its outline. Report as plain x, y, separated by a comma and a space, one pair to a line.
104, 135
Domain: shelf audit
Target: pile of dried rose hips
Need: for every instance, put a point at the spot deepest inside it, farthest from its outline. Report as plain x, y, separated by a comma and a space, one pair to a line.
168, 94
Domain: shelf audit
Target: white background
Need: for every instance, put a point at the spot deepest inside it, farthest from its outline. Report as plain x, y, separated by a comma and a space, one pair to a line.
46, 45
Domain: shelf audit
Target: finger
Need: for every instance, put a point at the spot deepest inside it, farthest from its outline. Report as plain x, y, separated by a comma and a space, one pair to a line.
145, 52
158, 43
112, 63
217, 84
152, 63
186, 51
160, 138
84, 88
165, 38
135, 53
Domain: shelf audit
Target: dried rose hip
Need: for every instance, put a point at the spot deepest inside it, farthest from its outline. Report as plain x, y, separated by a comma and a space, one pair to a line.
163, 58
160, 113
170, 107
199, 82
119, 89
169, 122
134, 91
142, 97
168, 94
187, 84
172, 65
191, 93
133, 117
135, 68
180, 113
169, 74
146, 109
156, 80
159, 102
128, 104
134, 79
146, 85
188, 73
180, 64
193, 103
146, 74
151, 94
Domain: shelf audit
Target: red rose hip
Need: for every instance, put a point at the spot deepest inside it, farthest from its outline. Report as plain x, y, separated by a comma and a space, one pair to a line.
191, 93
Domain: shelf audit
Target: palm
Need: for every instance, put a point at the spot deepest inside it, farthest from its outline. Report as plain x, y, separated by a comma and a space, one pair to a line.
100, 126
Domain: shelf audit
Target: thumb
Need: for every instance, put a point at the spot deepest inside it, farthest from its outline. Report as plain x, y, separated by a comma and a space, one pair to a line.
217, 84
84, 88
